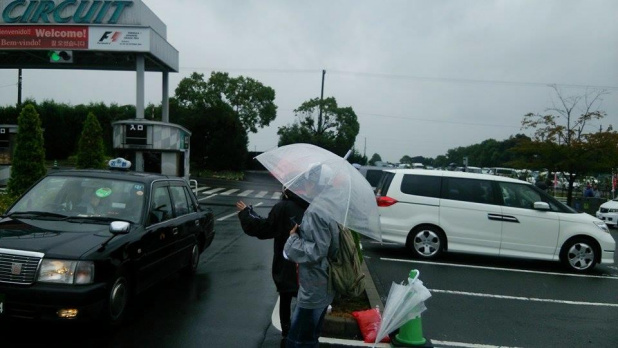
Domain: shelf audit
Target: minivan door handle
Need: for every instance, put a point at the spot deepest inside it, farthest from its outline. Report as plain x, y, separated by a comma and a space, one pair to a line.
508, 218
496, 217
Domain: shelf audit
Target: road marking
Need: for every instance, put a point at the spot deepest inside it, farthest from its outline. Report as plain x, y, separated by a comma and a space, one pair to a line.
532, 299
202, 188
228, 192
502, 269
235, 213
261, 194
209, 192
437, 343
276, 195
245, 193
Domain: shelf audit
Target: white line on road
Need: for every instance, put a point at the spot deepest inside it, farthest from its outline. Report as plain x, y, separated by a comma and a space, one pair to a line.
245, 193
261, 194
202, 188
228, 192
500, 269
518, 298
201, 199
276, 195
209, 192
437, 343
235, 213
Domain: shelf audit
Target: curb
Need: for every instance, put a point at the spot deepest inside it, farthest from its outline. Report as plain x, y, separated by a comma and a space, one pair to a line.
339, 327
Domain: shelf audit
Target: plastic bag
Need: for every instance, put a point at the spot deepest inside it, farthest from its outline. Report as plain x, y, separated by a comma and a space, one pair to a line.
369, 323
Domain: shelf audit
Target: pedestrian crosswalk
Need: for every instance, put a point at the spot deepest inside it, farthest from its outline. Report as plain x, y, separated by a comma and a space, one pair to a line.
223, 191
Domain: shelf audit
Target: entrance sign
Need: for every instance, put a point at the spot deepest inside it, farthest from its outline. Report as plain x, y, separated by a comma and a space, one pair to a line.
136, 134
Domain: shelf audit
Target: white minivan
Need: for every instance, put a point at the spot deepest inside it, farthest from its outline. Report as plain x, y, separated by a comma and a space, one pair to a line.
434, 211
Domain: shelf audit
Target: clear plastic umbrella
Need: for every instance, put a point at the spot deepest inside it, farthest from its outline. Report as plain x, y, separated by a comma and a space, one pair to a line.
331, 185
405, 302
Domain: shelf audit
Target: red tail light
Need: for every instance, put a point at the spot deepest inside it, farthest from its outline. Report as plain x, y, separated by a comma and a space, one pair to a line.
385, 201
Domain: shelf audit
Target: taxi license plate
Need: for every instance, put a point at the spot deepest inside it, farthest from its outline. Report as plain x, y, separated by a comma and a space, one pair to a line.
1, 304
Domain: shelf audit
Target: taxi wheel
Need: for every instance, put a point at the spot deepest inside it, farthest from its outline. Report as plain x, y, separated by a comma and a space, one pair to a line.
579, 254
426, 242
117, 299
194, 261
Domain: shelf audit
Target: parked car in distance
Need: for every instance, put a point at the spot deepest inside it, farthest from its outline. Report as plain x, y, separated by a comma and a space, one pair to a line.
80, 243
608, 212
435, 211
506, 172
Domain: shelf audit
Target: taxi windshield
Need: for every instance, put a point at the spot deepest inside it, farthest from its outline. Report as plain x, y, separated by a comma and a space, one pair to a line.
74, 196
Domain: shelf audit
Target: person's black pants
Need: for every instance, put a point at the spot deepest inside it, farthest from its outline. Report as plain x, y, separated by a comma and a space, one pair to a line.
285, 311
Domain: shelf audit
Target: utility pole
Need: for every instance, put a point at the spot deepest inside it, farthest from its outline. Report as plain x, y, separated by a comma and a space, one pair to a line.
321, 99
365, 148
19, 88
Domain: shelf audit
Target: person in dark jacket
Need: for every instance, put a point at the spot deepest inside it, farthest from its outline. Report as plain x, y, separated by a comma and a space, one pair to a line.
285, 214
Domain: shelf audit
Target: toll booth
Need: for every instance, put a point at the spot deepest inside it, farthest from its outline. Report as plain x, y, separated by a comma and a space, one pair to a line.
8, 134
154, 147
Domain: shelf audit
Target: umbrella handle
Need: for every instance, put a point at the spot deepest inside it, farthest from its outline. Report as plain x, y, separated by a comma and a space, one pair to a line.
413, 276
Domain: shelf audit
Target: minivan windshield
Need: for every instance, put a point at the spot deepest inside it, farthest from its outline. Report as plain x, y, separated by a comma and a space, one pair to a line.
73, 196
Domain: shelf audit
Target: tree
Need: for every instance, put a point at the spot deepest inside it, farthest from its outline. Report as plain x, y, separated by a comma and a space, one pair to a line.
562, 137
91, 152
335, 130
356, 157
374, 159
252, 102
28, 163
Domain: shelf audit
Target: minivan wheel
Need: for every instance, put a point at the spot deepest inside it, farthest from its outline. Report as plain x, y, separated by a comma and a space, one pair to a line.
426, 242
579, 255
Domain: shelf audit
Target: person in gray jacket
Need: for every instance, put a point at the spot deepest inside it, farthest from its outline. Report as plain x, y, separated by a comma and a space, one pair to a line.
309, 245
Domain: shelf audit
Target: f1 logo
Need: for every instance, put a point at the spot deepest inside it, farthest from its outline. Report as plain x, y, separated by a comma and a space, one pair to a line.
109, 36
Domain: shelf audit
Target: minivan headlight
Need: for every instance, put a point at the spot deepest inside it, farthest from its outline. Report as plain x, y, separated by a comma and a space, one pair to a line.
66, 272
601, 225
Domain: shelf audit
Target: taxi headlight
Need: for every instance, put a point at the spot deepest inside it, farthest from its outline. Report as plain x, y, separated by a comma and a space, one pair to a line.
66, 272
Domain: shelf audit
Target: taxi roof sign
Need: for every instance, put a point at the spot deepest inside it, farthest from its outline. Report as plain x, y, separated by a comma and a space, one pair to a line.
119, 163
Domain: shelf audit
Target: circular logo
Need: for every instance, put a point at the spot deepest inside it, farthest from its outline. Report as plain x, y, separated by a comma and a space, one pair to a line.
103, 192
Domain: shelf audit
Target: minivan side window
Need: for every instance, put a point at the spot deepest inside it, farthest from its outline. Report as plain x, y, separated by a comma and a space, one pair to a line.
373, 176
385, 183
519, 195
468, 190
421, 185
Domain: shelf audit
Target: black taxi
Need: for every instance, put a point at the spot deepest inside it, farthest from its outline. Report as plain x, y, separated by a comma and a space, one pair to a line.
79, 243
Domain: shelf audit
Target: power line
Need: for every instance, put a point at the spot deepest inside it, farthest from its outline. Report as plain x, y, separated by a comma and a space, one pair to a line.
472, 81
407, 77
440, 121
424, 119
11, 85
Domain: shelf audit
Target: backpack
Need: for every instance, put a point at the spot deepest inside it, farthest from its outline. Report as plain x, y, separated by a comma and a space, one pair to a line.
344, 272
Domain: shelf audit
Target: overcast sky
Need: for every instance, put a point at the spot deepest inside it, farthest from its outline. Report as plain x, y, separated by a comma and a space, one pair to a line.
422, 76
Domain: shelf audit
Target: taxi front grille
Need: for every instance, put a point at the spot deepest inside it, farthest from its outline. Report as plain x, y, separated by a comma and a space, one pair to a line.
18, 267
